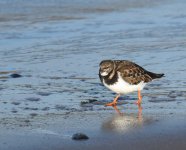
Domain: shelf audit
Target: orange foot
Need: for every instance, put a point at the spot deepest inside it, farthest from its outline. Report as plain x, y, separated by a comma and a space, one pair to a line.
111, 104
114, 101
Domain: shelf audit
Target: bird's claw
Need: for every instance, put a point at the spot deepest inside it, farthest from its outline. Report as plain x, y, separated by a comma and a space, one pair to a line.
111, 104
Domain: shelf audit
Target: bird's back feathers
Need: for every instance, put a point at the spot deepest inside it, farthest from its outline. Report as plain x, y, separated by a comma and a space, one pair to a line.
132, 73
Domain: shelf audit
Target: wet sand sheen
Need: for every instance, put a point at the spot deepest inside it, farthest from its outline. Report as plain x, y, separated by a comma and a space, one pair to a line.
105, 131
57, 50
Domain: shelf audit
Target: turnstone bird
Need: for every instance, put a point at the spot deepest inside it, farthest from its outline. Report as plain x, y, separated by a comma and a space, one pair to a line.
123, 77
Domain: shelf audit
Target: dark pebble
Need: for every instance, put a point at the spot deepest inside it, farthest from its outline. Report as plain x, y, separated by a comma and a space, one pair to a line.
14, 111
33, 99
56, 78
15, 75
29, 108
43, 93
33, 114
15, 103
60, 107
88, 101
80, 136
45, 108
26, 121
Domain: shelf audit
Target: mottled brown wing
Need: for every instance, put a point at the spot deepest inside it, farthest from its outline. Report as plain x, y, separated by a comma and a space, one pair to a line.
131, 72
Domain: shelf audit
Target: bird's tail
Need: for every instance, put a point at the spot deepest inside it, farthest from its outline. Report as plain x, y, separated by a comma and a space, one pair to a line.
155, 75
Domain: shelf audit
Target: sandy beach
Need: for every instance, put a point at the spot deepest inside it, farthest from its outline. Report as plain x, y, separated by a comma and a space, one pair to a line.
49, 85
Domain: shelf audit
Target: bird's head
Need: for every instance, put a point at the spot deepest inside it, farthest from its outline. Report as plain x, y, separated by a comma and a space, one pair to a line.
106, 67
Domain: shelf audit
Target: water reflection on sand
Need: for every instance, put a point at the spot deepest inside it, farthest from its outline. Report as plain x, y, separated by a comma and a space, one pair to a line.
122, 122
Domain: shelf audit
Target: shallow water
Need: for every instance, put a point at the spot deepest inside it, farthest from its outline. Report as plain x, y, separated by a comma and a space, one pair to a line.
57, 47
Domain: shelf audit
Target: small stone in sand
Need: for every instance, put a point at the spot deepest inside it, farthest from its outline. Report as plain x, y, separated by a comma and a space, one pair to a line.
14, 111
15, 103
15, 75
33, 99
80, 136
88, 101
44, 93
33, 114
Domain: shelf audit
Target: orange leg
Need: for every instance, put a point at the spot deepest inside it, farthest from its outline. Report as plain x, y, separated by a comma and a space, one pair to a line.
114, 101
138, 102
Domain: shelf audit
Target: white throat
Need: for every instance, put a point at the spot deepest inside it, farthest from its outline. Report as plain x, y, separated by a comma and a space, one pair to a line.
104, 74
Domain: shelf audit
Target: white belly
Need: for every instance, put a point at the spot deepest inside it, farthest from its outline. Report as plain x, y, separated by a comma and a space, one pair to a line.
122, 87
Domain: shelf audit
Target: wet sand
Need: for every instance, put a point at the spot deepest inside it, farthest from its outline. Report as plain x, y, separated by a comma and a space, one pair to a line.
105, 131
56, 50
